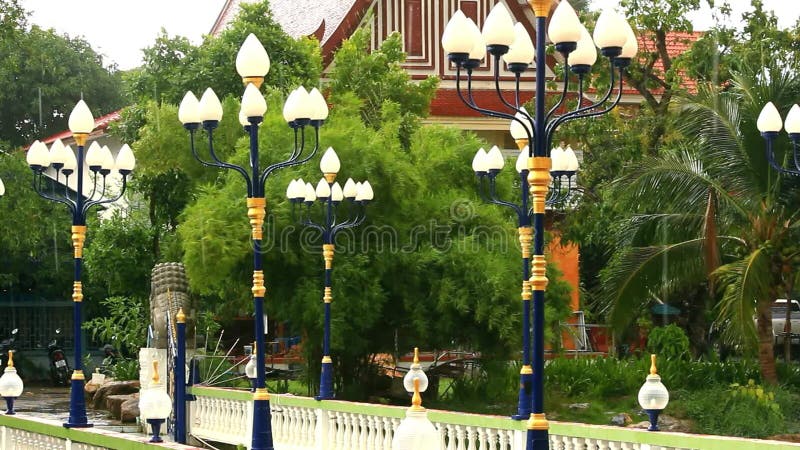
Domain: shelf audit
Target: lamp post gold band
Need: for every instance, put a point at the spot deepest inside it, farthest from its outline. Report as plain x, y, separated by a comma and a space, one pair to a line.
521, 143
257, 81
78, 375
328, 296
330, 177
258, 284
525, 240
526, 290
538, 422
78, 239
541, 8
261, 394
526, 370
327, 254
181, 317
80, 138
256, 211
77, 292
538, 273
327, 360
539, 181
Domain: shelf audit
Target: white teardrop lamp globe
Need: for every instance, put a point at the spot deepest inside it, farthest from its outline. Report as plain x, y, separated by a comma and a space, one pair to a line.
107, 164
94, 156
38, 157
329, 164
360, 192
558, 160
368, 194
479, 163
80, 119
323, 190
522, 160
653, 396
71, 162
320, 106
189, 110
290, 107
243, 119
310, 194
57, 155
631, 46
571, 160
337, 194
769, 121
457, 36
565, 27
498, 29
2, 188
253, 103
290, 189
520, 131
350, 189
478, 51
610, 32
252, 61
210, 107
585, 55
520, 53
495, 160
125, 160
304, 107
793, 121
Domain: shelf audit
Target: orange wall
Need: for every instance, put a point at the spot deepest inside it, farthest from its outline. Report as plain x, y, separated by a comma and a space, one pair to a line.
566, 259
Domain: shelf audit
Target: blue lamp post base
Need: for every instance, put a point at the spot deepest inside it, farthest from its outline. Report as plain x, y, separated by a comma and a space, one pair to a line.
10, 406
262, 432
77, 406
155, 424
653, 414
326, 380
524, 404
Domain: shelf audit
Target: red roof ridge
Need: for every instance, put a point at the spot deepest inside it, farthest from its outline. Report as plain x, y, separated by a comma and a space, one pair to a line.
100, 124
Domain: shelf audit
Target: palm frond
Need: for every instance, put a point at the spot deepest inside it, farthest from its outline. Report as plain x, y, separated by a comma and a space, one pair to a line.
743, 284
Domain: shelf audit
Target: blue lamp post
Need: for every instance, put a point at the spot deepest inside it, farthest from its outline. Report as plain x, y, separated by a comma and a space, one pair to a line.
466, 45
304, 112
331, 195
64, 163
770, 125
487, 166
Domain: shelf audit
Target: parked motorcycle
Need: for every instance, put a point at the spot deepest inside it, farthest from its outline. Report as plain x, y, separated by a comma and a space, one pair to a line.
7, 345
59, 366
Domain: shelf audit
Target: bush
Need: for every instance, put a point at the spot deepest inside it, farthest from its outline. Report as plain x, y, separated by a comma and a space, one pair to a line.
669, 342
125, 370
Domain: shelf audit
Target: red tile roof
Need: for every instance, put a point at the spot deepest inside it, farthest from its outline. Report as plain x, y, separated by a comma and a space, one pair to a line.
100, 124
678, 43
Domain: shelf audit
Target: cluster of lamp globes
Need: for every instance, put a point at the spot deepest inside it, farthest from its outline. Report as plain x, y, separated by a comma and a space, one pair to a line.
252, 62
299, 191
61, 157
770, 121
467, 44
564, 161
10, 384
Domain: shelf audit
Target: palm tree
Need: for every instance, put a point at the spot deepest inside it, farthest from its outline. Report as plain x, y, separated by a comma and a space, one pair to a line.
712, 211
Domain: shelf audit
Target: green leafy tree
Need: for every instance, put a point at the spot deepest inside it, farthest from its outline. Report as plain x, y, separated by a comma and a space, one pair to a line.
43, 74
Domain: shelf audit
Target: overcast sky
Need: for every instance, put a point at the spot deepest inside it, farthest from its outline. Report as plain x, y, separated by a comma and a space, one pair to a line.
120, 29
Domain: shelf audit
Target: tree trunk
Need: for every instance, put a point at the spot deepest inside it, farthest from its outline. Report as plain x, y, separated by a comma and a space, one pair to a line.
766, 355
156, 245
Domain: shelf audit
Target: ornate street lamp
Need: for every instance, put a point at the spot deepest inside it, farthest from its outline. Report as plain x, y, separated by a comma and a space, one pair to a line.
100, 164
330, 194
653, 395
155, 404
466, 45
487, 166
10, 384
303, 111
416, 432
770, 125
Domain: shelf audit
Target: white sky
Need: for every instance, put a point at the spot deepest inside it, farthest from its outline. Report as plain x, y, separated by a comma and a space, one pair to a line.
120, 29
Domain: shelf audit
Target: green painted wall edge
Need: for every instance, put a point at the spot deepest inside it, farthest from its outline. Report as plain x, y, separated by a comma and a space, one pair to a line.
680, 440
95, 438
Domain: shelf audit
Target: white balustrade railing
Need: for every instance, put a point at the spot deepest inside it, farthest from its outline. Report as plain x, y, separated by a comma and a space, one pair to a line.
300, 423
